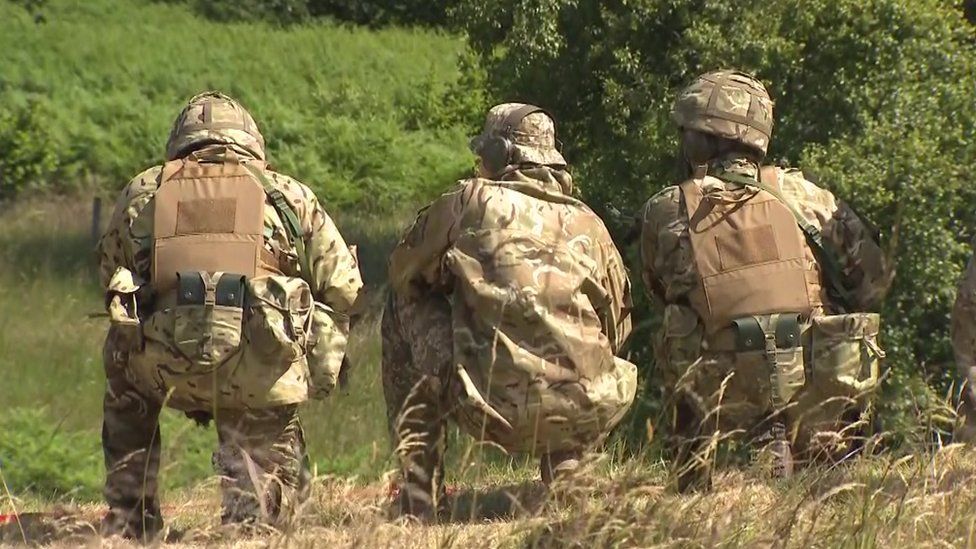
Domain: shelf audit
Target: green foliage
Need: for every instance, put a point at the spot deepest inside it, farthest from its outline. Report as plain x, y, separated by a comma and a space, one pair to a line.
873, 97
345, 110
29, 158
366, 12
38, 456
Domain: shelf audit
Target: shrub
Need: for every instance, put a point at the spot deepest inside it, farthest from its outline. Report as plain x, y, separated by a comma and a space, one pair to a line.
37, 456
874, 97
28, 155
353, 113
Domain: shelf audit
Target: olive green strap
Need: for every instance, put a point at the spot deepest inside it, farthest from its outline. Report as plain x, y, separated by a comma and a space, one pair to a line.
831, 266
292, 225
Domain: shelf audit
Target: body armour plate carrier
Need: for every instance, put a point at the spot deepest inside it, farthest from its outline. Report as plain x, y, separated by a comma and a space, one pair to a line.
209, 217
749, 254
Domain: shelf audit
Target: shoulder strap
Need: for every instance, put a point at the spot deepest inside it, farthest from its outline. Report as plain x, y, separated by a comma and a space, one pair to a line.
825, 255
292, 225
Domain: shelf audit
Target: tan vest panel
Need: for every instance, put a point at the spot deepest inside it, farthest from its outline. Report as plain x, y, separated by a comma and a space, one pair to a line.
750, 255
208, 217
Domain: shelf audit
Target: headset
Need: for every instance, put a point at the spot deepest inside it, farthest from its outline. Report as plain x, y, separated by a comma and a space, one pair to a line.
496, 151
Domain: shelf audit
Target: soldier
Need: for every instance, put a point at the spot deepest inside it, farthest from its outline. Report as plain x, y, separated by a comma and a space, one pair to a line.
762, 279
509, 302
227, 286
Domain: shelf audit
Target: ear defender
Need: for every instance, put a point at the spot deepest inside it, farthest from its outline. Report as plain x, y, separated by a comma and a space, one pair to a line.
495, 152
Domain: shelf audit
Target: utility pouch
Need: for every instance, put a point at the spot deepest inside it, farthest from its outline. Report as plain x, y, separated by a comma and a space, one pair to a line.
845, 353
208, 317
279, 317
770, 344
121, 300
326, 348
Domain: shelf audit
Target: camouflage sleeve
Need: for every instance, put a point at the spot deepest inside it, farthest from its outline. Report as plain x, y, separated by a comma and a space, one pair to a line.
417, 258
861, 257
853, 241
127, 240
659, 218
964, 329
334, 269
618, 286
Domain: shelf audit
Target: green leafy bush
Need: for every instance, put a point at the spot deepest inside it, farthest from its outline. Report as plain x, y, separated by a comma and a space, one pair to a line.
28, 156
345, 110
874, 97
36, 455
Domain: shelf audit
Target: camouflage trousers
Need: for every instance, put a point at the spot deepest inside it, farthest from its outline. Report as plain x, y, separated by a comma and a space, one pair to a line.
417, 360
261, 459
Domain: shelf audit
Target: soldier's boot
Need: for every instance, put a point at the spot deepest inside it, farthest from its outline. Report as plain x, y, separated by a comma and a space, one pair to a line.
421, 447
263, 466
691, 469
556, 465
140, 521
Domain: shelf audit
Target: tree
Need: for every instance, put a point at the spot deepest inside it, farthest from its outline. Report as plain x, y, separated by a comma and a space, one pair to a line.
873, 97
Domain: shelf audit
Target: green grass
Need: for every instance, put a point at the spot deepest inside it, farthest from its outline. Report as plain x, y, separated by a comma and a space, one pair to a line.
365, 117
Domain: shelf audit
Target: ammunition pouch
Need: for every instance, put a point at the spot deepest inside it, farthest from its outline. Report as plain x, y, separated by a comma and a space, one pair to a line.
207, 318
770, 344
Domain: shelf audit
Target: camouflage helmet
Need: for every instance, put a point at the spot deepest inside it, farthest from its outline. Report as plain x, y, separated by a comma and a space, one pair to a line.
529, 131
728, 104
212, 117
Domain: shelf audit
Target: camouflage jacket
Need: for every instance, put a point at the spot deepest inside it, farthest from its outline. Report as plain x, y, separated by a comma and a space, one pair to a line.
541, 305
334, 278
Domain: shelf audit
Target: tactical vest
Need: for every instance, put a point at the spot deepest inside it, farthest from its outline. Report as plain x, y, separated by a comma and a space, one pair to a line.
209, 217
749, 253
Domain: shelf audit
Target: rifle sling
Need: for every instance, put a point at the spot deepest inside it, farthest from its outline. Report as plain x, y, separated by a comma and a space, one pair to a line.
292, 225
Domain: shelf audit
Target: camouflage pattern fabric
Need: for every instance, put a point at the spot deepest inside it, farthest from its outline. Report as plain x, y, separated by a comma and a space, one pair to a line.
709, 374
261, 458
727, 104
533, 140
417, 363
540, 305
212, 117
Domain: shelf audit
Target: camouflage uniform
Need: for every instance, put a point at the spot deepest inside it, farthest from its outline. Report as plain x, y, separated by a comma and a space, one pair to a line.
262, 447
709, 380
509, 303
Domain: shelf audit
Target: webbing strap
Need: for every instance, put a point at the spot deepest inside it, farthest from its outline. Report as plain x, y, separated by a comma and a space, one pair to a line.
292, 225
829, 261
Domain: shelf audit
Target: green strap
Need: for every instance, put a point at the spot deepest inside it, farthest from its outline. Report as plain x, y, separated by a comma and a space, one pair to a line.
292, 225
831, 266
